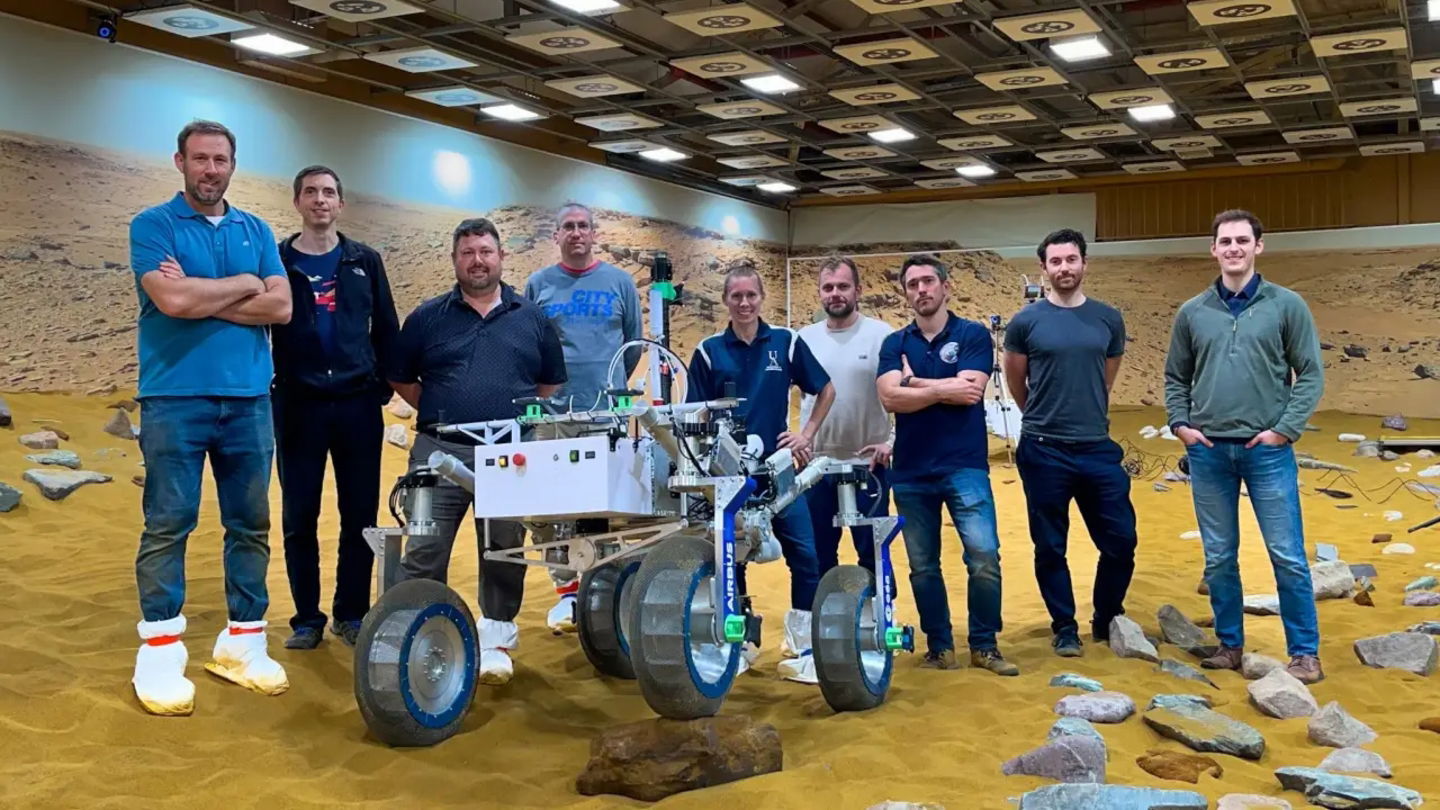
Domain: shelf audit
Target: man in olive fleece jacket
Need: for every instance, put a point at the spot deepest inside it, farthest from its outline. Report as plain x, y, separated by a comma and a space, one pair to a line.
1243, 375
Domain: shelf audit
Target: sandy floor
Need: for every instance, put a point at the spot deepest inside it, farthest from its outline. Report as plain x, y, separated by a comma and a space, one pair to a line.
72, 734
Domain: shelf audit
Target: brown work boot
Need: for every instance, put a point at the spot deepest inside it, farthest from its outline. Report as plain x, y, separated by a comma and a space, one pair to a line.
939, 659
1305, 669
1225, 658
993, 661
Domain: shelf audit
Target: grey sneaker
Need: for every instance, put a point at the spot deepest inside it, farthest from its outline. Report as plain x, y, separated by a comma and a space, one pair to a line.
304, 638
1067, 645
347, 631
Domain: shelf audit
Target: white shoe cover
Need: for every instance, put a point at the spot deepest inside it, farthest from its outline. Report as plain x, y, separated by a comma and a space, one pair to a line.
797, 640
800, 670
749, 654
561, 618
160, 682
241, 657
497, 639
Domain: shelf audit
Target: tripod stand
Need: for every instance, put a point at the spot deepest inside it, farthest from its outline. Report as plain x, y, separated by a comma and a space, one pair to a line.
997, 374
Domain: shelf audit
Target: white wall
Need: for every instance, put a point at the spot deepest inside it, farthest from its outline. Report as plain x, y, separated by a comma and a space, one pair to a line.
990, 223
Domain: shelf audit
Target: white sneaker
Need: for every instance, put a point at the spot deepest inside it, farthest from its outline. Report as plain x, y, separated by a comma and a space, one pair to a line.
797, 640
497, 639
159, 680
561, 618
241, 657
800, 670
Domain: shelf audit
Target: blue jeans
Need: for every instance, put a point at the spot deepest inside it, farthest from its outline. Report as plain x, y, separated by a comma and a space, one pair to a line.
1270, 475
797, 543
1054, 473
176, 435
966, 493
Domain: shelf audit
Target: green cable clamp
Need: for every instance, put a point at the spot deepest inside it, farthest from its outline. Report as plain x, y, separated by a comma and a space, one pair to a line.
734, 628
894, 638
666, 289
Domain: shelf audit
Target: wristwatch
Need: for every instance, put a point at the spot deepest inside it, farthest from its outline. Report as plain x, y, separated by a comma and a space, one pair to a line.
905, 381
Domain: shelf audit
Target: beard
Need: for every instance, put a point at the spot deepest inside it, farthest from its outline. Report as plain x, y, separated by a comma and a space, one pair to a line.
927, 308
208, 198
1065, 283
840, 310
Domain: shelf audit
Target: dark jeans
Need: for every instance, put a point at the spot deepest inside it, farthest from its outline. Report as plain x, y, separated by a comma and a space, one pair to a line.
349, 431
1055, 472
502, 584
176, 436
823, 500
792, 529
966, 494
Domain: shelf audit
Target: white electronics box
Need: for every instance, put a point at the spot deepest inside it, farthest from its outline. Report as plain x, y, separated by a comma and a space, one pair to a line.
565, 479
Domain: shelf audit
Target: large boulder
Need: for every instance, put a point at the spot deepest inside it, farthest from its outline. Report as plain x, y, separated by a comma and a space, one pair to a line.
1110, 797
1281, 695
1412, 652
1069, 758
1176, 628
1179, 766
56, 484
1206, 731
1334, 727
652, 759
1332, 579
1128, 640
1355, 760
1346, 792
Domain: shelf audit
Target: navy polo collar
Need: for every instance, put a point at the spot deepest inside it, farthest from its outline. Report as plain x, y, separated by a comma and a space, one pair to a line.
761, 333
913, 328
508, 299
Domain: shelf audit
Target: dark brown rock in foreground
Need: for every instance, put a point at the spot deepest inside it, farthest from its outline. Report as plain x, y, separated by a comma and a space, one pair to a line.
652, 759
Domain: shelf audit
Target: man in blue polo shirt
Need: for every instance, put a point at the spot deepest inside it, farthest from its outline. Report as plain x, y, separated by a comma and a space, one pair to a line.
209, 280
762, 362
932, 376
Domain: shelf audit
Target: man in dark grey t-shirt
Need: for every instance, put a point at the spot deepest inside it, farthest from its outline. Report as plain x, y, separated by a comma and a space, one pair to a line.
1061, 357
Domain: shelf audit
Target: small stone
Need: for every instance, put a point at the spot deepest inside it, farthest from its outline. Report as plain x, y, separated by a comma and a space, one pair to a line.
1206, 731
127, 404
652, 759
1149, 432
138, 480
9, 497
1171, 701
1430, 724
1355, 350
1398, 548
1073, 727
1251, 801
1332, 726
1179, 766
1367, 449
6, 418
41, 440
1351, 437
1254, 666
1280, 694
119, 425
1185, 671
1412, 652
1363, 599
1203, 587
64, 437
1097, 707
1422, 599
399, 408
1423, 583
1065, 759
1427, 372
1428, 628
396, 435
1073, 681
1128, 640
56, 484
1425, 453
59, 458
1190, 535
1394, 422
1159, 487
1389, 455
1359, 570
1110, 797
101, 390
1261, 604
1332, 579
1177, 629
1325, 552
1384, 537
1355, 760
1344, 792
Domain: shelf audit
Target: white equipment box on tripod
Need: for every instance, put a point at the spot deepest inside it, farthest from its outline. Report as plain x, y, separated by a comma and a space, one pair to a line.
565, 479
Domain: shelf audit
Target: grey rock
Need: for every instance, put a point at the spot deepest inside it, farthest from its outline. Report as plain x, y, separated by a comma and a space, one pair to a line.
1074, 727
1389, 455
1206, 730
1394, 422
1346, 792
1425, 372
1073, 681
1422, 599
1363, 570
59, 458
1334, 727
1097, 707
396, 435
1412, 652
1332, 579
1255, 666
1251, 801
1428, 628
1280, 694
1355, 760
1422, 584
119, 425
1176, 628
1159, 487
1369, 448
9, 497
1171, 701
56, 484
1186, 672
1128, 640
6, 418
1066, 759
1326, 551
1267, 604
1355, 350
1110, 797
41, 440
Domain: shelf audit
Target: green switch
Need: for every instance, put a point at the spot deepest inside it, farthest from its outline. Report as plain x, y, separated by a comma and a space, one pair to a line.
574, 456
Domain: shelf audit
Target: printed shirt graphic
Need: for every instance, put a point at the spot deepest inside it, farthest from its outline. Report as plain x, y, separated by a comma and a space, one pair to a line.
321, 271
595, 312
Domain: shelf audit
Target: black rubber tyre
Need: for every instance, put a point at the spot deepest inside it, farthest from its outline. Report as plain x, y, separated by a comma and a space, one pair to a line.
853, 666
415, 663
681, 678
601, 619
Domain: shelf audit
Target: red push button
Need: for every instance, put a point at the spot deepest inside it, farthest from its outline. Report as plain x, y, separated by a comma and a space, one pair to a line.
519, 459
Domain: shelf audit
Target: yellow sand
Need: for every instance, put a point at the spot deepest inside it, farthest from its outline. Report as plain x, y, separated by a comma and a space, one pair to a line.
73, 735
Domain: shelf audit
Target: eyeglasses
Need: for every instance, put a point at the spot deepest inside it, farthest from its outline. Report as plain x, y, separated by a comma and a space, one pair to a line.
575, 225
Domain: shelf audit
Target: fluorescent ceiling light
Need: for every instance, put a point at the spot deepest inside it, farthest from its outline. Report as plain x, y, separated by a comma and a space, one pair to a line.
975, 171
776, 187
892, 135
1152, 112
1435, 85
664, 154
1434, 7
587, 6
272, 44
769, 83
510, 112
1079, 49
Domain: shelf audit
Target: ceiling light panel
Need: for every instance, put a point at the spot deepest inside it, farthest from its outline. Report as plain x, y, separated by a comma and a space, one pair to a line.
951, 163
623, 147
1183, 142
945, 182
848, 191
856, 173
864, 123
1428, 69
892, 6
1071, 155
455, 96
1154, 167
1403, 148
618, 122
752, 161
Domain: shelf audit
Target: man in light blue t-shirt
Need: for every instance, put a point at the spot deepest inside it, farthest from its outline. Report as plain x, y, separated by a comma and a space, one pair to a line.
209, 280
596, 307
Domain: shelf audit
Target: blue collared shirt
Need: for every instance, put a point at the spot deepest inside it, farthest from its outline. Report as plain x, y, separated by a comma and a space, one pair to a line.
1237, 301
201, 357
940, 439
762, 372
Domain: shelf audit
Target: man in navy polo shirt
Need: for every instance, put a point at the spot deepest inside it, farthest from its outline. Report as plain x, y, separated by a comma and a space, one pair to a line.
932, 376
209, 280
762, 362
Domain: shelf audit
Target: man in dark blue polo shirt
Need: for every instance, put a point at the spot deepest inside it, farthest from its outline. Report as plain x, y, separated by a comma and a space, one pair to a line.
466, 356
209, 281
1061, 357
932, 376
763, 362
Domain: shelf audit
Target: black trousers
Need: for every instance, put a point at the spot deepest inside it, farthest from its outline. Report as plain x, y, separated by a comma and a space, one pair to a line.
349, 431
